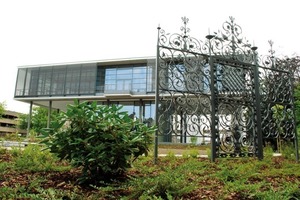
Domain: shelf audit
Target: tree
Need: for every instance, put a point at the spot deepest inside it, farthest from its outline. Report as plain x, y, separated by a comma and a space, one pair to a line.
100, 139
23, 121
39, 119
291, 64
2, 108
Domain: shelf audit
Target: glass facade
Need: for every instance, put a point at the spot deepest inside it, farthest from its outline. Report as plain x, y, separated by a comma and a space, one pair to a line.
56, 80
44, 81
32, 79
20, 84
143, 111
72, 80
125, 79
84, 79
93, 80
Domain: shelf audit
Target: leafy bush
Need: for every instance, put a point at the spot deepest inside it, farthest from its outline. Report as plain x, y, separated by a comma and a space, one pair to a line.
33, 159
100, 139
194, 153
2, 108
288, 150
13, 137
268, 152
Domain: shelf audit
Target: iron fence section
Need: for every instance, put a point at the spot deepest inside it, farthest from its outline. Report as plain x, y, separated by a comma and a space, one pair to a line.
219, 91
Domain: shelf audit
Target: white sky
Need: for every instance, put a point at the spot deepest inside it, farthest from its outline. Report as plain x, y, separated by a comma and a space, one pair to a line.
53, 31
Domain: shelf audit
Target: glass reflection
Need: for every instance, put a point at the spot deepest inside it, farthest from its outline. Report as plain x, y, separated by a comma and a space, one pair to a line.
132, 78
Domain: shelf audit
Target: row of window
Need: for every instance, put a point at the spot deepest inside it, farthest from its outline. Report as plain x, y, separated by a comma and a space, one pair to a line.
85, 79
125, 79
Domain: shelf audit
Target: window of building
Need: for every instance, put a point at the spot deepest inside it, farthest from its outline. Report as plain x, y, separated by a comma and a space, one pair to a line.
31, 85
149, 113
100, 81
139, 79
44, 81
131, 107
150, 85
72, 79
126, 78
21, 78
58, 80
88, 79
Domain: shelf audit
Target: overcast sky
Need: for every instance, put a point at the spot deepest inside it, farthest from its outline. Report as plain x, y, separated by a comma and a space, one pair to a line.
41, 32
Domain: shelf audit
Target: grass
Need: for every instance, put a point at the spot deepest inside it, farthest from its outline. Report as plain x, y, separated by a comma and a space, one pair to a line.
35, 174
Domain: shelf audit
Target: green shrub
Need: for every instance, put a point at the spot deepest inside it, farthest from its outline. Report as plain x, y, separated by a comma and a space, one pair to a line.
13, 137
288, 150
16, 151
33, 159
194, 140
3, 151
194, 153
268, 152
171, 154
100, 139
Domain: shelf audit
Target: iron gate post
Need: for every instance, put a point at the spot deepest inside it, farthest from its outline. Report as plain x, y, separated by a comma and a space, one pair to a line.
213, 102
156, 99
294, 121
257, 106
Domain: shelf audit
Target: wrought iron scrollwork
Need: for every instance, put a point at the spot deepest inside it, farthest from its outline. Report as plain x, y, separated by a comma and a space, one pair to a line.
277, 101
229, 43
188, 105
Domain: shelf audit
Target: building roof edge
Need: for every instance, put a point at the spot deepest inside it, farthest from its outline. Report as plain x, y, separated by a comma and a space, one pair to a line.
90, 61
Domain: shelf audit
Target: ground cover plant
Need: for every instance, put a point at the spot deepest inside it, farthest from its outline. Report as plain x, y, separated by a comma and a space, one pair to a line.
186, 177
91, 157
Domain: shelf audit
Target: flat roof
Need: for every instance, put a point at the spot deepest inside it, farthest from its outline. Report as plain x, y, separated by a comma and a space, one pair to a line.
104, 61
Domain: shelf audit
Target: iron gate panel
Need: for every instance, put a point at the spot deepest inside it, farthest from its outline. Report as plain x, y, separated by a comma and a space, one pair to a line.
278, 117
220, 92
236, 109
184, 101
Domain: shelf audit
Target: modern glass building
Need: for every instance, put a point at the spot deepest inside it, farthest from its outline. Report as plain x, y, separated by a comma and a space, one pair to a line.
126, 82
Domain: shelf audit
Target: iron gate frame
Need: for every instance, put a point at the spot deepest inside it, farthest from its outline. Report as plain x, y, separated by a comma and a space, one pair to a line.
226, 46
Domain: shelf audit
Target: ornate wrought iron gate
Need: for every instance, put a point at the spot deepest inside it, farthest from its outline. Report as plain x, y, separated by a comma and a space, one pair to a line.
219, 91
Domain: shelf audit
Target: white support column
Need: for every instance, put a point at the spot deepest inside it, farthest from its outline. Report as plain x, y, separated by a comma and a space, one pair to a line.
49, 114
29, 119
141, 114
